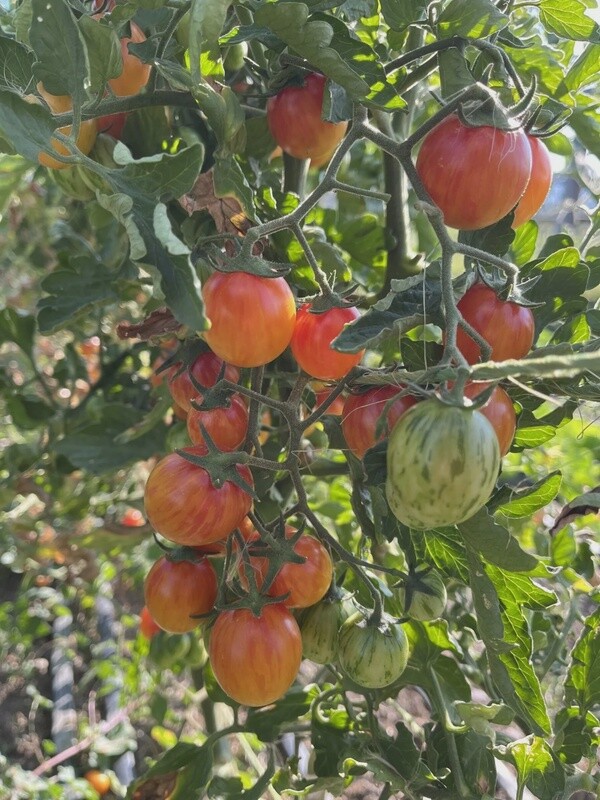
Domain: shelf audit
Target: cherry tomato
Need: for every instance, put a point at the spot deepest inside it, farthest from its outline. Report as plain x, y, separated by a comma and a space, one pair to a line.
227, 426
336, 409
59, 104
474, 175
98, 781
507, 327
174, 590
500, 412
135, 73
132, 518
112, 124
539, 182
148, 626
184, 506
252, 318
255, 659
206, 370
311, 342
362, 414
294, 119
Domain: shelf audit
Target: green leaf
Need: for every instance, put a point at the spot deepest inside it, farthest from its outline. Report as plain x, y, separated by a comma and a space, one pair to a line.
537, 766
267, 723
479, 716
12, 170
17, 66
495, 544
17, 327
103, 49
446, 548
503, 628
567, 18
584, 69
533, 497
582, 684
27, 126
62, 64
523, 246
328, 45
455, 74
473, 19
399, 14
207, 19
28, 412
412, 301
230, 181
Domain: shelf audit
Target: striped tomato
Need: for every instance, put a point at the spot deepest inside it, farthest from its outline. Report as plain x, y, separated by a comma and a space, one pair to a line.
371, 655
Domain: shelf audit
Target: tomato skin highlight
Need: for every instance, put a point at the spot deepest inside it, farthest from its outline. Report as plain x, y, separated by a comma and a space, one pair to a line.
205, 370
227, 426
173, 590
474, 175
255, 659
311, 342
443, 462
183, 505
539, 182
362, 412
499, 410
294, 119
508, 328
252, 318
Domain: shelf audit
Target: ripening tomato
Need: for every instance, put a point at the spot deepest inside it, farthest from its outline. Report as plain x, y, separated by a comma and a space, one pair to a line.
474, 175
252, 318
335, 409
59, 104
112, 124
311, 342
500, 412
294, 119
174, 590
362, 414
373, 656
508, 328
98, 781
132, 518
539, 182
227, 426
205, 370
184, 506
148, 626
255, 659
306, 583
135, 73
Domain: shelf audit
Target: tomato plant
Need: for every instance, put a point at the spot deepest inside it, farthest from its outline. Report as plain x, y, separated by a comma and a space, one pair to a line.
296, 124
500, 411
248, 334
255, 658
312, 338
423, 595
474, 175
85, 138
184, 505
176, 590
508, 328
135, 74
320, 626
362, 423
205, 370
425, 487
226, 425
148, 627
538, 185
372, 654
98, 781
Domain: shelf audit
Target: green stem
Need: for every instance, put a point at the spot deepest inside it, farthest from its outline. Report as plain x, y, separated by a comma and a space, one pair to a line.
419, 52
295, 172
449, 728
559, 642
114, 105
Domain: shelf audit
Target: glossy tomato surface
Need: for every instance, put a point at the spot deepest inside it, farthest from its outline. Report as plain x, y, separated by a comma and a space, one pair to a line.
500, 411
539, 182
474, 175
227, 425
183, 505
311, 342
255, 659
205, 371
174, 590
362, 415
252, 318
508, 328
148, 627
135, 73
294, 119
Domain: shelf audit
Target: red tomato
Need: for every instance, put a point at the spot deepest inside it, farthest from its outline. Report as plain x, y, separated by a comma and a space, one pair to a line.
206, 370
98, 781
252, 318
336, 408
148, 626
363, 411
247, 529
183, 505
539, 182
294, 119
507, 327
311, 342
499, 410
226, 426
112, 124
132, 518
179, 412
135, 74
255, 659
474, 175
174, 590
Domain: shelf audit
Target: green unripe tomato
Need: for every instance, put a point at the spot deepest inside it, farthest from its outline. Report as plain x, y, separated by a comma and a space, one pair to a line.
236, 53
424, 596
320, 626
373, 656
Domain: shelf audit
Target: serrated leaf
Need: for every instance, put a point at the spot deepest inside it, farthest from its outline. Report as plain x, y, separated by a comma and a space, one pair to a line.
473, 19
446, 549
28, 127
505, 633
582, 684
537, 766
495, 544
62, 64
326, 43
533, 497
17, 66
399, 14
104, 51
567, 18
412, 301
